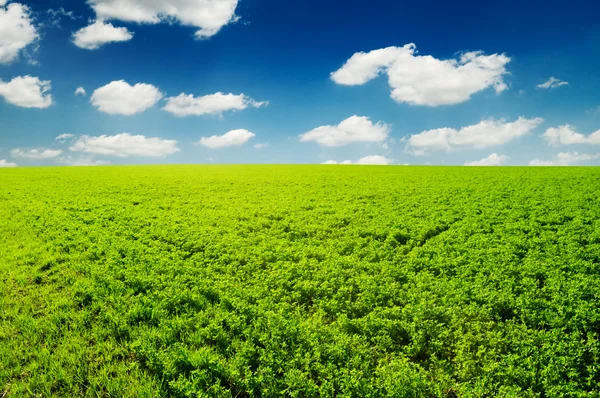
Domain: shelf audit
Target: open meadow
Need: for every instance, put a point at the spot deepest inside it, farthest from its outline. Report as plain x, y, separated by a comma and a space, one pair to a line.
300, 281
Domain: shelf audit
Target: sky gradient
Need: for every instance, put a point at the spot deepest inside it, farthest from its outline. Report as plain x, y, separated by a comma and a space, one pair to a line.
249, 81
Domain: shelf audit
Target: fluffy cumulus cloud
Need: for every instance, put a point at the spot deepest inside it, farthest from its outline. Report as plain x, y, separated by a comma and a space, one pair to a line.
125, 145
566, 135
374, 160
213, 104
493, 160
552, 83
26, 92
80, 91
94, 36
425, 80
232, 138
36, 154
120, 98
4, 162
484, 134
565, 159
209, 16
16, 31
352, 130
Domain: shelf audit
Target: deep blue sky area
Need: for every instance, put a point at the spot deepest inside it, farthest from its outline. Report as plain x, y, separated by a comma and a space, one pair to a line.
285, 52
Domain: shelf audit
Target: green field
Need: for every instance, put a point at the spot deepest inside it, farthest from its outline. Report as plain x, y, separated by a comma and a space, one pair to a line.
300, 281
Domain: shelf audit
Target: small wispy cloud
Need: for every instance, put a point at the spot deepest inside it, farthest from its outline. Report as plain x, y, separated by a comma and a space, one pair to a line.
82, 161
64, 137
493, 160
233, 138
552, 83
56, 16
36, 154
367, 160
565, 159
212, 104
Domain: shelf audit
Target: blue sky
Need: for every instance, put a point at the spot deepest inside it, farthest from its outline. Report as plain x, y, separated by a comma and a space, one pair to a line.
470, 90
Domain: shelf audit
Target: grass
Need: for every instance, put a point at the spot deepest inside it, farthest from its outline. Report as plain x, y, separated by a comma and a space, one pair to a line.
301, 281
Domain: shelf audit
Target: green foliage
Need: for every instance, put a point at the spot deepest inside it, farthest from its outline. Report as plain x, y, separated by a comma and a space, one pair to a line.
300, 281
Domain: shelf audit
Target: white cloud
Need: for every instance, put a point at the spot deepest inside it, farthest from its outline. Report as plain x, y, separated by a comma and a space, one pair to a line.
6, 163
124, 145
36, 154
367, 160
565, 159
566, 135
99, 33
374, 160
26, 92
493, 160
336, 162
120, 98
484, 134
61, 12
354, 129
213, 104
56, 15
232, 138
63, 137
552, 83
80, 91
82, 161
207, 15
16, 31
425, 80
261, 145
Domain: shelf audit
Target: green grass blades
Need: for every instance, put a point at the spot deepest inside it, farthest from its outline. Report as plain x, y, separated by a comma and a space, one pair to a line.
299, 281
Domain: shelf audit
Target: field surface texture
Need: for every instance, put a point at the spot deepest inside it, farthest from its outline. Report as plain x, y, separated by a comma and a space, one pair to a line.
299, 281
